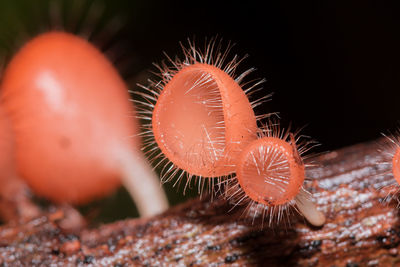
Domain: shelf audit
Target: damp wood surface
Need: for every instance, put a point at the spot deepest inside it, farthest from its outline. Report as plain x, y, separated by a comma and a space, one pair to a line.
349, 186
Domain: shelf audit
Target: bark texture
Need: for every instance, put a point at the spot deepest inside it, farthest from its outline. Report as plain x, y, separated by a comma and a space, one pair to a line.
349, 186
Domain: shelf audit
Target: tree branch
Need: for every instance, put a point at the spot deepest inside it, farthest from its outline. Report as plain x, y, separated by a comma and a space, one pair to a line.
347, 186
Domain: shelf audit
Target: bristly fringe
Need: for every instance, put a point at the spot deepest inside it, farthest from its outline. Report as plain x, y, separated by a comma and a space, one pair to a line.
278, 213
388, 150
213, 53
393, 143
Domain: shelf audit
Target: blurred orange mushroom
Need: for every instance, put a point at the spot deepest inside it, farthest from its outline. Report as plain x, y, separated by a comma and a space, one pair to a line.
75, 129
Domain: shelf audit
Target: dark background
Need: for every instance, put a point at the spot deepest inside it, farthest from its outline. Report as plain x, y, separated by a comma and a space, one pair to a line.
333, 66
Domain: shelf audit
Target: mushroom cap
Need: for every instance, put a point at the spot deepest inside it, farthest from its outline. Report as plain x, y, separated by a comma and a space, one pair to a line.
269, 171
71, 115
202, 120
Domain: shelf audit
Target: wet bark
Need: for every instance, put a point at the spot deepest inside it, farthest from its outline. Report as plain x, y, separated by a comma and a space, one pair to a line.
349, 185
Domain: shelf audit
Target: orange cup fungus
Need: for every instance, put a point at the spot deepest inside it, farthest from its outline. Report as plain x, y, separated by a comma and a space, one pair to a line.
201, 119
396, 165
74, 125
270, 172
200, 116
269, 177
392, 150
204, 124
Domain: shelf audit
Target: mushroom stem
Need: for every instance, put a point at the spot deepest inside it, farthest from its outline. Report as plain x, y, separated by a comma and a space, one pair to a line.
142, 184
308, 209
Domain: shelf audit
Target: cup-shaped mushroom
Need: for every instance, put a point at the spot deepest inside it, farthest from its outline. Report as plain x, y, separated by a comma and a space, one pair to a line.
202, 120
269, 178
